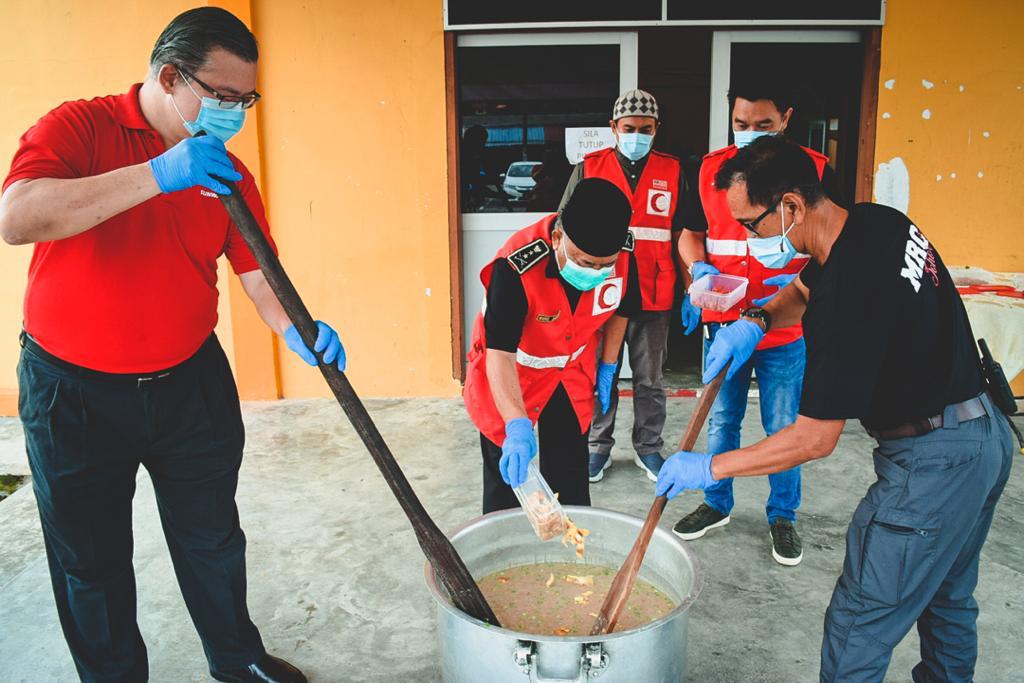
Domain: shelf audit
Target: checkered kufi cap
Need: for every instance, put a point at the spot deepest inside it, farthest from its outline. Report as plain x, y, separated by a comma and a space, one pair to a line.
635, 103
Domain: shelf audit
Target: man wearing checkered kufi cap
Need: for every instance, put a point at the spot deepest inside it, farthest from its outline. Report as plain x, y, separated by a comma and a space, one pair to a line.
656, 189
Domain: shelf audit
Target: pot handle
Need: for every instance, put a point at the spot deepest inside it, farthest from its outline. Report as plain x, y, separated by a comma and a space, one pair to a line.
592, 662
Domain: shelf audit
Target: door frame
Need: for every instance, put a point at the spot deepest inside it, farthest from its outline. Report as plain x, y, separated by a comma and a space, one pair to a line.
628, 42
721, 65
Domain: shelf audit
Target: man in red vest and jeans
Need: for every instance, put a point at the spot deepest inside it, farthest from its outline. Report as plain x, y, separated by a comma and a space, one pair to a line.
655, 187
549, 293
714, 242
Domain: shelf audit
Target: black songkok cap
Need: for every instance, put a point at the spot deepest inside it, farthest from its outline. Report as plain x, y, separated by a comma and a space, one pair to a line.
596, 217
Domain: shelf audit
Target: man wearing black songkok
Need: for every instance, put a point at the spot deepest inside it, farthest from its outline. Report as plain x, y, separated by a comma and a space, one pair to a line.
551, 292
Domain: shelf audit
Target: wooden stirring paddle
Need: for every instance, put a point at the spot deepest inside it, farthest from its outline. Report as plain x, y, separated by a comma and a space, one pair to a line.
622, 585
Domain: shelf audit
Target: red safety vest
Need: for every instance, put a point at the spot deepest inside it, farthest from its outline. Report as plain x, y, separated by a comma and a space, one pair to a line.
726, 247
654, 204
557, 344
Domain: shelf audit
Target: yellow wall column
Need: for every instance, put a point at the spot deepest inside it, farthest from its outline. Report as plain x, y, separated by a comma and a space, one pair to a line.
354, 152
951, 85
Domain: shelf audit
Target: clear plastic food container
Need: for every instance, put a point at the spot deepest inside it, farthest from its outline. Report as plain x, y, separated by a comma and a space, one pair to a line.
540, 504
717, 292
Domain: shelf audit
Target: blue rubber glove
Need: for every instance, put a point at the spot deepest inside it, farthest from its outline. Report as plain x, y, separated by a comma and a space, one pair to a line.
734, 342
700, 269
781, 281
684, 470
690, 315
327, 341
519, 448
605, 382
194, 161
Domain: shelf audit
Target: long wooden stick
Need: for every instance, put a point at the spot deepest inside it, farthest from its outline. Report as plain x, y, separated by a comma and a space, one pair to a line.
622, 584
440, 552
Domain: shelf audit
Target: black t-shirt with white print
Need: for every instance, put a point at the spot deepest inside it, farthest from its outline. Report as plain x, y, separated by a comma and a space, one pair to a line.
888, 340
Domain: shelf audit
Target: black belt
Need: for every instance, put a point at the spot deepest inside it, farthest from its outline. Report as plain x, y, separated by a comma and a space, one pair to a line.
970, 409
134, 379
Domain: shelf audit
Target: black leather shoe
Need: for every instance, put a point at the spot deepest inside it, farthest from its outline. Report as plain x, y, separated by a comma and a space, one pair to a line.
268, 670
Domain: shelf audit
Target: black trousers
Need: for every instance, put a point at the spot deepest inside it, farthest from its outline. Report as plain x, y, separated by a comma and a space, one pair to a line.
86, 435
563, 457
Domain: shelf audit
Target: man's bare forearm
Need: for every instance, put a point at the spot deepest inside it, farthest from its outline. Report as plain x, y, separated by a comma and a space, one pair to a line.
691, 249
788, 306
805, 440
48, 209
266, 302
504, 380
614, 334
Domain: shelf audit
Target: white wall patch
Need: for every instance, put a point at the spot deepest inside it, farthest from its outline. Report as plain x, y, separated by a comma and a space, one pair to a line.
928, 85
886, 115
890, 84
938, 177
926, 114
892, 184
981, 174
984, 133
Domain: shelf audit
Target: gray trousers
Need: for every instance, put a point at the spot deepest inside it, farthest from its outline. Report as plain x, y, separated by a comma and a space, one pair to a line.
647, 340
912, 552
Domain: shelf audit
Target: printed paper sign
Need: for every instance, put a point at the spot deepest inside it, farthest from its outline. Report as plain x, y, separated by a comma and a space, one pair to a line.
582, 141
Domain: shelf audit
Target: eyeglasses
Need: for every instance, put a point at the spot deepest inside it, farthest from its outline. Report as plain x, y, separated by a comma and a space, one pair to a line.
224, 101
752, 225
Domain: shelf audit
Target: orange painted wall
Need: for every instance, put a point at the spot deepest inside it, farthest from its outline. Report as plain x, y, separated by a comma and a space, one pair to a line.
961, 64
353, 140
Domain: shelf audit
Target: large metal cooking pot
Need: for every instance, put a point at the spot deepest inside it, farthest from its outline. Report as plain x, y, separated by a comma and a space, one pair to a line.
475, 652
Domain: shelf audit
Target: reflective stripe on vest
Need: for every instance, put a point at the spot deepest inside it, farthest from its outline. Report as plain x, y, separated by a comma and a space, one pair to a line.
726, 247
651, 234
655, 199
547, 362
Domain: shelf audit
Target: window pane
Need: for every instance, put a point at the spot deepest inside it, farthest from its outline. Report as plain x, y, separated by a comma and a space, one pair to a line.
468, 12
514, 106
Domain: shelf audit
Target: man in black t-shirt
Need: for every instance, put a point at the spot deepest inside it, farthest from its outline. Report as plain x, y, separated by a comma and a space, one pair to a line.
888, 343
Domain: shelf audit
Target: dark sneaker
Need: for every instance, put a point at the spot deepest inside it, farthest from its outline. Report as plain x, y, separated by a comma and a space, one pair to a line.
697, 523
786, 546
598, 464
651, 464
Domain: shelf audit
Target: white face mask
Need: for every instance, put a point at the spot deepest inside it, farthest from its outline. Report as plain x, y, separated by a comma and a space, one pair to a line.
745, 137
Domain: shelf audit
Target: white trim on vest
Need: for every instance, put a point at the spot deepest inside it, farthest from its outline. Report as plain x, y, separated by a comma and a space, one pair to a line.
547, 362
726, 247
651, 234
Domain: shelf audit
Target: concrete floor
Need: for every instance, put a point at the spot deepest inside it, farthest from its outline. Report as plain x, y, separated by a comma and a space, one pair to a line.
335, 574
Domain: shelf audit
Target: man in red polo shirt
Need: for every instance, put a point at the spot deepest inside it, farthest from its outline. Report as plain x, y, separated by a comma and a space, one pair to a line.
714, 242
120, 366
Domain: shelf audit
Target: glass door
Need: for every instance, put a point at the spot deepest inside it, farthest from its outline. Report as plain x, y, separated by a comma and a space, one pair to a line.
520, 97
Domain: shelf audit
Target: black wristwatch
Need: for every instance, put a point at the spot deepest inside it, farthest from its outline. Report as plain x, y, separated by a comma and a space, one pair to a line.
758, 313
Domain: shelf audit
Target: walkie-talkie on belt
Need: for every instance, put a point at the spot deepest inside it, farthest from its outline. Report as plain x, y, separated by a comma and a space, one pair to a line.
999, 388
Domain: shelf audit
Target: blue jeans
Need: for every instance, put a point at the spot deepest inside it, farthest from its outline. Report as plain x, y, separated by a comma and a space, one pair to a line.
780, 376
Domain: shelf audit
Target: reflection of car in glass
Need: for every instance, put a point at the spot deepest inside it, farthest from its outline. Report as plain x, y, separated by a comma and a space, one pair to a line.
518, 179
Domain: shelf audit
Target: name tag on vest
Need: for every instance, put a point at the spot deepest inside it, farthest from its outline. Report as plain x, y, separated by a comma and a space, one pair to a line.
607, 295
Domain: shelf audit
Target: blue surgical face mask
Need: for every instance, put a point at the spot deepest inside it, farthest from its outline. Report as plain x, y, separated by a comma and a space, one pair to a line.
216, 120
745, 137
635, 146
777, 251
583, 279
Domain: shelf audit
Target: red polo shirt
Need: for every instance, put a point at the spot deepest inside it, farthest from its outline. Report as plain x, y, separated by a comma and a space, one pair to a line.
138, 292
